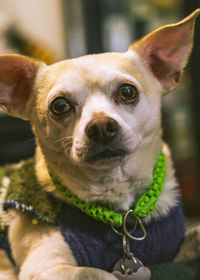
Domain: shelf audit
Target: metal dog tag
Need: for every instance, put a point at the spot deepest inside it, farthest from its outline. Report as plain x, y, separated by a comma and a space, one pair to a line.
143, 273
130, 264
129, 267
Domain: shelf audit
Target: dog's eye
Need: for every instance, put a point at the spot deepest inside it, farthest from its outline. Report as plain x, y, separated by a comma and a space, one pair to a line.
60, 106
128, 93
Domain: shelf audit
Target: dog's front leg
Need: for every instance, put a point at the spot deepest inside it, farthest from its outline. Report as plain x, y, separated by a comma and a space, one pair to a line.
190, 249
42, 254
7, 271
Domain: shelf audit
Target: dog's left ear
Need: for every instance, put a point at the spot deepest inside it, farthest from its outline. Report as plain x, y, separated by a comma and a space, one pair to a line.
166, 50
17, 77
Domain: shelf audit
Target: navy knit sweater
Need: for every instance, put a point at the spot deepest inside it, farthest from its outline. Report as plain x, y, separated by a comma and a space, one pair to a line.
94, 244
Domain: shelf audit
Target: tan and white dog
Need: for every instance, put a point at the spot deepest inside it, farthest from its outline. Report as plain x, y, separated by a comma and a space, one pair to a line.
97, 124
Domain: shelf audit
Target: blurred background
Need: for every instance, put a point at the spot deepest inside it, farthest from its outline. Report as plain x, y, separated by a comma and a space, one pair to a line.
52, 30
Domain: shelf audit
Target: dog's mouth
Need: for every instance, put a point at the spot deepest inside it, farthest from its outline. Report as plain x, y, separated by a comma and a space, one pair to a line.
107, 155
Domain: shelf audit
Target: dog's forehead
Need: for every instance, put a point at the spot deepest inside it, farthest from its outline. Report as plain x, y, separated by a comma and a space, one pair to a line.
94, 70
95, 65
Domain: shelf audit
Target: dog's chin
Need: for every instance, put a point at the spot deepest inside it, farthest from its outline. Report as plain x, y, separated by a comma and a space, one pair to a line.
104, 158
107, 156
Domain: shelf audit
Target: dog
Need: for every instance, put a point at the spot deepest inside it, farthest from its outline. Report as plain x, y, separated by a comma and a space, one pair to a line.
97, 123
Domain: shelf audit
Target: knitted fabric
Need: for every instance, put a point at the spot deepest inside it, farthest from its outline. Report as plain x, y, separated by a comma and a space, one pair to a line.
94, 244
26, 194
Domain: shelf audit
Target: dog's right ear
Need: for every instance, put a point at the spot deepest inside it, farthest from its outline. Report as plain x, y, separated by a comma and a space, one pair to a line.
165, 51
17, 76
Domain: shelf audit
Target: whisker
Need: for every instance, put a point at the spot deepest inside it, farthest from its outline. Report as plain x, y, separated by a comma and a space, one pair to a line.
58, 150
60, 164
67, 144
63, 147
30, 140
68, 149
64, 138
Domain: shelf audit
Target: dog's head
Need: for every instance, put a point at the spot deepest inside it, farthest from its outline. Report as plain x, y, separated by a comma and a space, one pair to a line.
97, 111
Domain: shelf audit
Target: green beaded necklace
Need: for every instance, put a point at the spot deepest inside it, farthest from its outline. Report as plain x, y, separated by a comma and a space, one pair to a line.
144, 206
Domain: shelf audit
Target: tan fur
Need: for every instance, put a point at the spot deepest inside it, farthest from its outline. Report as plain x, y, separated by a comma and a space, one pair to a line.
91, 81
190, 248
7, 271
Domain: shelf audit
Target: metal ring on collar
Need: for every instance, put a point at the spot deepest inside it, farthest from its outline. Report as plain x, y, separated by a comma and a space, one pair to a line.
122, 233
116, 231
138, 221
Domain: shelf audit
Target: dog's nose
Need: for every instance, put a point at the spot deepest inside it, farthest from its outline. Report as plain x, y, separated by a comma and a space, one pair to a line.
102, 130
